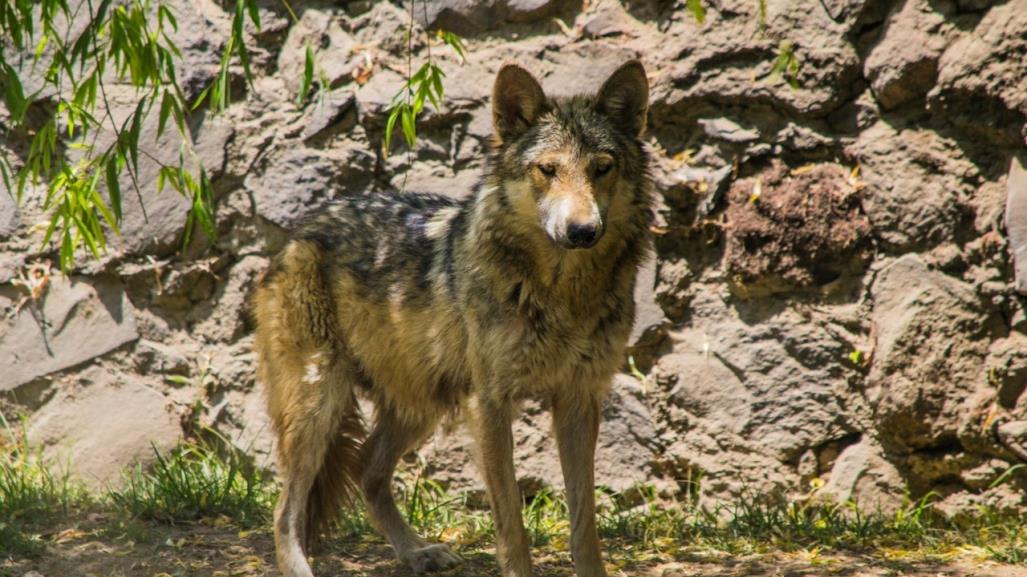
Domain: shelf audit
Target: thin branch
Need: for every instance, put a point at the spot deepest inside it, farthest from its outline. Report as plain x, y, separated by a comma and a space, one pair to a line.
410, 75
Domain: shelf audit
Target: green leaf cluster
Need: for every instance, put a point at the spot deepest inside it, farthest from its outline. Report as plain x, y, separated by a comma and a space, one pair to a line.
126, 42
424, 85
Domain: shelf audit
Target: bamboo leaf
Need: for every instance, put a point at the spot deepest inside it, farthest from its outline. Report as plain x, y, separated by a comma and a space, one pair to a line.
390, 124
40, 47
67, 254
409, 129
166, 104
308, 76
5, 171
14, 94
133, 134
251, 6
114, 187
454, 42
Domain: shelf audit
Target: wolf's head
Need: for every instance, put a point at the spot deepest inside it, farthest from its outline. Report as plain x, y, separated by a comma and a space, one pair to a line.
571, 164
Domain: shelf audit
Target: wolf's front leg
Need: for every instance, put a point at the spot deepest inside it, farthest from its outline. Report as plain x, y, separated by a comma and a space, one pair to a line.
491, 426
576, 422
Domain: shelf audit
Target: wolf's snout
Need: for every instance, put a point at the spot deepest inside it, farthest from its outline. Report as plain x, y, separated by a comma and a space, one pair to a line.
583, 235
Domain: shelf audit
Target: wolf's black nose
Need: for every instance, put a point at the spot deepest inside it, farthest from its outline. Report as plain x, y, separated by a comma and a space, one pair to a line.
582, 235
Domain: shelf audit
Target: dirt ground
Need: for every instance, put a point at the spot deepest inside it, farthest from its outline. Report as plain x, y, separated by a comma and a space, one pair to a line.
103, 547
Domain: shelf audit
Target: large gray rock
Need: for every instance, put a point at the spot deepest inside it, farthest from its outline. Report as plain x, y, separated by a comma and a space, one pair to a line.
297, 180
77, 319
467, 17
155, 225
929, 355
330, 115
787, 392
333, 49
864, 475
903, 65
915, 184
984, 74
712, 465
697, 76
698, 384
649, 318
104, 424
201, 26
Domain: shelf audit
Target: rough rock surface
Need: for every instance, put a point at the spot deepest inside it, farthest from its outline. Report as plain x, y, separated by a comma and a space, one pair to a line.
857, 320
929, 354
104, 418
903, 65
77, 319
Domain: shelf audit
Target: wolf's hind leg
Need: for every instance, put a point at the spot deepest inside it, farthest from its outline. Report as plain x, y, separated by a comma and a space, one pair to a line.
390, 439
319, 434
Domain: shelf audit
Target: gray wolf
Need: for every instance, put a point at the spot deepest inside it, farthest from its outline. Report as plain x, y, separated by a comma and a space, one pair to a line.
431, 307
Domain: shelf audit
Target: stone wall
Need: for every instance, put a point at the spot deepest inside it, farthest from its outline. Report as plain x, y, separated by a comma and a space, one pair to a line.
833, 295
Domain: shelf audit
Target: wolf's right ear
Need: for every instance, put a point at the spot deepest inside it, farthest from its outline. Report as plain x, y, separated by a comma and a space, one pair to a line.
517, 101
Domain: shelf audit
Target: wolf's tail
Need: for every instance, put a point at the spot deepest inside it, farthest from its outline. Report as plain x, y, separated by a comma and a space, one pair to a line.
337, 483
310, 381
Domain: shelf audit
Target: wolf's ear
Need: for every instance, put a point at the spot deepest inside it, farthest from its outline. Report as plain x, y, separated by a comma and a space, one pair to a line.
517, 101
624, 97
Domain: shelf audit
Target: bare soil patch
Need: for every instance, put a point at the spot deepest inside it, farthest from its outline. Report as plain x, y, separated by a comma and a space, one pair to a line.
103, 545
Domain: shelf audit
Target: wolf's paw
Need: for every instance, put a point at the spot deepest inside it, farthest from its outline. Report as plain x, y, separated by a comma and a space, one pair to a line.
431, 558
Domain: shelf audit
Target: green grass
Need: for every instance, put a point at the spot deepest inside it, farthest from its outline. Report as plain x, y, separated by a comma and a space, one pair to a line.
197, 482
30, 491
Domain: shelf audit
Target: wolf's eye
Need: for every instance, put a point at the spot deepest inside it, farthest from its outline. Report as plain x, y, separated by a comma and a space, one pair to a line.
603, 168
547, 169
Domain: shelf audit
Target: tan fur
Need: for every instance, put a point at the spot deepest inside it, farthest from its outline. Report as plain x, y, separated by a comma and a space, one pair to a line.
431, 308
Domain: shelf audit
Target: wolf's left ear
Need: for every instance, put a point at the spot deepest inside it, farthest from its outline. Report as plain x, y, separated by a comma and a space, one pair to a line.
624, 97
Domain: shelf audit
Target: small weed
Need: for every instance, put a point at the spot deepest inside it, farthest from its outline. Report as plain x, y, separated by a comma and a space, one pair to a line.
697, 10
429, 509
786, 64
649, 524
545, 518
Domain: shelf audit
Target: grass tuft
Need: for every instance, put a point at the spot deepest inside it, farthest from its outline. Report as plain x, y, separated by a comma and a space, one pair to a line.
30, 491
195, 481
439, 515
